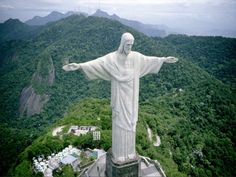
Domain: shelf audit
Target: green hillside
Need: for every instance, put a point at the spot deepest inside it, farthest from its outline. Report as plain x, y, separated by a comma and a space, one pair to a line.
13, 29
186, 104
216, 55
192, 141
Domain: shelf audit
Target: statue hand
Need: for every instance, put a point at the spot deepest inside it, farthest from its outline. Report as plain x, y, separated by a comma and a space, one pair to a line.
171, 59
71, 67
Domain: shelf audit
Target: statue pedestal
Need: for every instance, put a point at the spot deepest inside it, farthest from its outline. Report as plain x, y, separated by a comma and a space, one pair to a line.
129, 168
104, 166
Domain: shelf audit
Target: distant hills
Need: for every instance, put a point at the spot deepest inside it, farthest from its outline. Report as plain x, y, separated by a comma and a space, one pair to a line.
53, 16
15, 29
149, 30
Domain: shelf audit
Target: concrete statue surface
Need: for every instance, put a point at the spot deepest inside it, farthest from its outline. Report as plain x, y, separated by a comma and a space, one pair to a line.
123, 68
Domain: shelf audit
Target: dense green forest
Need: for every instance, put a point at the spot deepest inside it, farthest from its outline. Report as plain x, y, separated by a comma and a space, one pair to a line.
216, 55
190, 105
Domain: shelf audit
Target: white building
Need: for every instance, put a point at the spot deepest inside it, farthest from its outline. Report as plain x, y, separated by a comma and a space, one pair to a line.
81, 130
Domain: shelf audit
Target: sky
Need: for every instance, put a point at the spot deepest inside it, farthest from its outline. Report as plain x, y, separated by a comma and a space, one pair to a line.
198, 17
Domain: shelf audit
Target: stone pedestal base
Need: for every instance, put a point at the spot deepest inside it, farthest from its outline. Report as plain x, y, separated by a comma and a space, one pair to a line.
125, 169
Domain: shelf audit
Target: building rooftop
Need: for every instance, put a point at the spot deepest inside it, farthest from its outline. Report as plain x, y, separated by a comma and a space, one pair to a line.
68, 159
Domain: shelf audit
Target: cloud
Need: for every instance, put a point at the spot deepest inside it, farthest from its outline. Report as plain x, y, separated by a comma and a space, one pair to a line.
6, 7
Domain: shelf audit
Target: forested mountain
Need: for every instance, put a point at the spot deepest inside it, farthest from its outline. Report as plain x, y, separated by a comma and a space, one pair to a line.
53, 16
149, 30
14, 29
216, 55
192, 111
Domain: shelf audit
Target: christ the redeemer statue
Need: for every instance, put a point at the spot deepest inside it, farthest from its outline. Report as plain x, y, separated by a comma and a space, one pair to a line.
123, 68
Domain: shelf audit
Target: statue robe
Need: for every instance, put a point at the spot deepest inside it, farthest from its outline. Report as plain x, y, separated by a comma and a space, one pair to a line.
124, 94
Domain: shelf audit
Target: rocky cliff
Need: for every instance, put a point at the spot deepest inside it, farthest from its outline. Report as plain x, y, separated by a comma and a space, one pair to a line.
30, 102
34, 96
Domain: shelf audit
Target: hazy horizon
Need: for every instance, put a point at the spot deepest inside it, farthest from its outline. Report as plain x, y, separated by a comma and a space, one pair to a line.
198, 17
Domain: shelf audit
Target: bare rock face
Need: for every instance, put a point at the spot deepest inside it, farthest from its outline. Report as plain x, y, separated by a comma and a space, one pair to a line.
45, 74
30, 102
34, 97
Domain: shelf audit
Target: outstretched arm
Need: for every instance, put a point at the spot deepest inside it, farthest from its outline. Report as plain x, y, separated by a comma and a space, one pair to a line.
71, 67
94, 69
171, 59
152, 64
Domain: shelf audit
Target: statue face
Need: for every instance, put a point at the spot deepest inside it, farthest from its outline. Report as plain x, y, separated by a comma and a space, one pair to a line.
128, 46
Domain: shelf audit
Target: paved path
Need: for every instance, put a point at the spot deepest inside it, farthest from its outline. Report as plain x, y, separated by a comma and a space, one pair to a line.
158, 140
57, 130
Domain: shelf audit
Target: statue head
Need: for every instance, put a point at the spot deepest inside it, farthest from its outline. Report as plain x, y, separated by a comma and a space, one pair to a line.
126, 43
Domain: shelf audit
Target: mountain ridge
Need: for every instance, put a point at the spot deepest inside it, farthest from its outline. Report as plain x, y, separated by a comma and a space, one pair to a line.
149, 30
52, 17
15, 29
